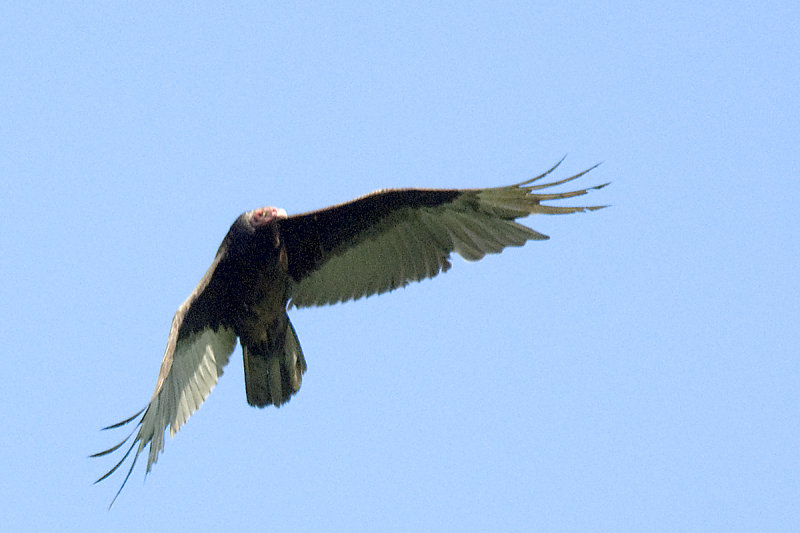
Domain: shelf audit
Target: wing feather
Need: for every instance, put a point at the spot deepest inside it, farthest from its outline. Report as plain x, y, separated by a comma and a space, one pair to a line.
389, 238
199, 347
182, 391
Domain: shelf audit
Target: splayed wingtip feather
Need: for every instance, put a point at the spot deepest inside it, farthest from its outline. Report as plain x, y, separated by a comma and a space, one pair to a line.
542, 175
127, 420
114, 468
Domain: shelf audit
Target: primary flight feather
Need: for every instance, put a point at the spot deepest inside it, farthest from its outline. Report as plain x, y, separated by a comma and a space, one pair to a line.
269, 262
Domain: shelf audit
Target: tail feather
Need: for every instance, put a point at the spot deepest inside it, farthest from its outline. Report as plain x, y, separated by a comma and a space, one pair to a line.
273, 370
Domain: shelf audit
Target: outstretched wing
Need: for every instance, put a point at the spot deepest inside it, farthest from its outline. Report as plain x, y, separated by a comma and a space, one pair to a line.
199, 346
386, 239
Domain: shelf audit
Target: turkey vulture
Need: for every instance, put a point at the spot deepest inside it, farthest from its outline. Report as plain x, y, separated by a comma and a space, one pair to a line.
269, 262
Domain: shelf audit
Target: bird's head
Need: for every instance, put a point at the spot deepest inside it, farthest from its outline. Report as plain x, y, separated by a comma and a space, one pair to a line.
263, 216
252, 227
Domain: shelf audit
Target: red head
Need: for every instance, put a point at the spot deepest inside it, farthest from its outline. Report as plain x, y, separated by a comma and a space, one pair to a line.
265, 215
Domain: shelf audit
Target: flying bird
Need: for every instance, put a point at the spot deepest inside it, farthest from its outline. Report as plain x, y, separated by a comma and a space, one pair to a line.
270, 262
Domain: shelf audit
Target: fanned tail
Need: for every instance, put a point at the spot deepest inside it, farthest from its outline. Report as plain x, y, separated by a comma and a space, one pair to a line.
273, 370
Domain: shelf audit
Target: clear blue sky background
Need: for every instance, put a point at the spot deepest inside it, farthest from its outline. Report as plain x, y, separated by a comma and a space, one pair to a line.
638, 371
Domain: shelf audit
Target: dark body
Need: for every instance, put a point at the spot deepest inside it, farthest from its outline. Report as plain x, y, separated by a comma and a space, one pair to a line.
249, 288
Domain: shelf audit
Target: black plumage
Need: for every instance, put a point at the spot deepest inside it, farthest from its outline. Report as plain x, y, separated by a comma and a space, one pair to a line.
269, 262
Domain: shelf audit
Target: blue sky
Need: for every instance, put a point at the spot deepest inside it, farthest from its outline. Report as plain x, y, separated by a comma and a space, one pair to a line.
638, 371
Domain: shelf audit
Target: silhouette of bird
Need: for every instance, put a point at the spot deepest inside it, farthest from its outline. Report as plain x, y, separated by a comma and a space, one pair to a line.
269, 262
